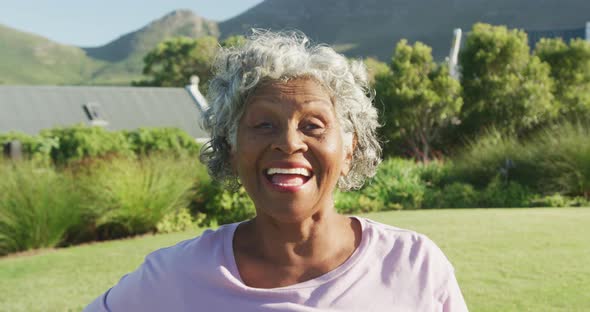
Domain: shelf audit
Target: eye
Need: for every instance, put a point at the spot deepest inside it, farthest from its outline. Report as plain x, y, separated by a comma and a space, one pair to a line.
264, 125
312, 127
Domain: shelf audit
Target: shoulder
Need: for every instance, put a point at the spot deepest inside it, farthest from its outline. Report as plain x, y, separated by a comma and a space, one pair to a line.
409, 255
412, 246
168, 273
202, 249
198, 255
402, 239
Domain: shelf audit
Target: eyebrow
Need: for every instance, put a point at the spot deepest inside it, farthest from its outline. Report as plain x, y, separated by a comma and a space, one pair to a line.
308, 104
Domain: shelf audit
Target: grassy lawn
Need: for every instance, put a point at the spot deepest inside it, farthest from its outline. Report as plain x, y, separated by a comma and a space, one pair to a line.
505, 260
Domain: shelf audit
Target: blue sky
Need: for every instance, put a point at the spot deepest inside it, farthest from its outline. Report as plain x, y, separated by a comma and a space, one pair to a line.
92, 23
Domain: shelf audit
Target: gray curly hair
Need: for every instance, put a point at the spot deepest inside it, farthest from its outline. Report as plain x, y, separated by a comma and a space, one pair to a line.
268, 56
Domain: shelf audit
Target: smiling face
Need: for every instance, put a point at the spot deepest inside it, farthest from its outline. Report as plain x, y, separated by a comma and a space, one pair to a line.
289, 151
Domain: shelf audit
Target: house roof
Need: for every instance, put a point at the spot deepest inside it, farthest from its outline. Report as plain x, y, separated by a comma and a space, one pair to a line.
30, 109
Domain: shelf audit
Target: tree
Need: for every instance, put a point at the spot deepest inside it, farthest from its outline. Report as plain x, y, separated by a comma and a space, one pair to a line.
233, 41
420, 100
174, 61
570, 69
504, 87
375, 68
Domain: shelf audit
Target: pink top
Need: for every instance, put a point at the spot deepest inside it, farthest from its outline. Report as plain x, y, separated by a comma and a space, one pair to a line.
391, 270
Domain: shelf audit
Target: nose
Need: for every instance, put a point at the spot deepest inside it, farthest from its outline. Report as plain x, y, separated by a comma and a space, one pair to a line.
289, 141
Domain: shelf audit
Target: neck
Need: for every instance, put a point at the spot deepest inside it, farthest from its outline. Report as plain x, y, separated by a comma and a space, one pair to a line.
313, 239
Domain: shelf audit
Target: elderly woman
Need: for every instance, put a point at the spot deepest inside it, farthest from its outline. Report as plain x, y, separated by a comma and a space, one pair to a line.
290, 122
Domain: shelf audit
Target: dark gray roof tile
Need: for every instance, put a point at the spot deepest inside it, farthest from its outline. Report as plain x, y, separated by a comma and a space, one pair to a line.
31, 109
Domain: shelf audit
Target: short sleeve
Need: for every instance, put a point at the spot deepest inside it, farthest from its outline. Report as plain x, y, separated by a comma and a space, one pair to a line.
452, 298
99, 304
136, 291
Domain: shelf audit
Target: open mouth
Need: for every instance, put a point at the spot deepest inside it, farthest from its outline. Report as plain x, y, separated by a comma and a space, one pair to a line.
288, 177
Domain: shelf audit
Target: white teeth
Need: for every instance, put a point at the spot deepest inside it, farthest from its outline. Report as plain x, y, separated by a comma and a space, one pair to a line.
300, 171
288, 184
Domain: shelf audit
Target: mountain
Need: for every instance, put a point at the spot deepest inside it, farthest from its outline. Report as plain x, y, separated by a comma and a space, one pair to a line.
140, 42
30, 59
357, 28
125, 54
373, 27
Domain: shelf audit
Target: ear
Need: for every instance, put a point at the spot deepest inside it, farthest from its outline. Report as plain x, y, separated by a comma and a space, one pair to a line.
350, 146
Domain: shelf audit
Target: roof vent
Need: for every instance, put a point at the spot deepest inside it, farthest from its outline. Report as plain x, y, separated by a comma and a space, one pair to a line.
94, 113
193, 90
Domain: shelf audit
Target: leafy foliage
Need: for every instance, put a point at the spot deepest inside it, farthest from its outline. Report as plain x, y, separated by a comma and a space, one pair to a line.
355, 202
176, 221
501, 194
504, 87
37, 148
570, 68
132, 196
376, 68
555, 160
47, 206
145, 141
228, 207
454, 195
565, 160
421, 99
174, 61
38, 205
234, 41
495, 154
559, 200
397, 185
79, 142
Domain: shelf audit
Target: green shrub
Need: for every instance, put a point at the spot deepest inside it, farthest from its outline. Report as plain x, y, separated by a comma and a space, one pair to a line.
578, 202
454, 195
397, 185
176, 221
437, 173
496, 154
132, 196
36, 148
555, 160
79, 142
145, 141
205, 191
555, 200
228, 207
66, 144
566, 159
38, 205
347, 202
500, 194
355, 202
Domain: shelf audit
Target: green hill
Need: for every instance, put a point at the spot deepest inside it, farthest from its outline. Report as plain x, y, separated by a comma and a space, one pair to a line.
136, 44
125, 54
31, 59
373, 27
354, 27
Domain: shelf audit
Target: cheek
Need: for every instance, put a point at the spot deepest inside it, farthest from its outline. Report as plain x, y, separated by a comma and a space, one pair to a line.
249, 149
333, 155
